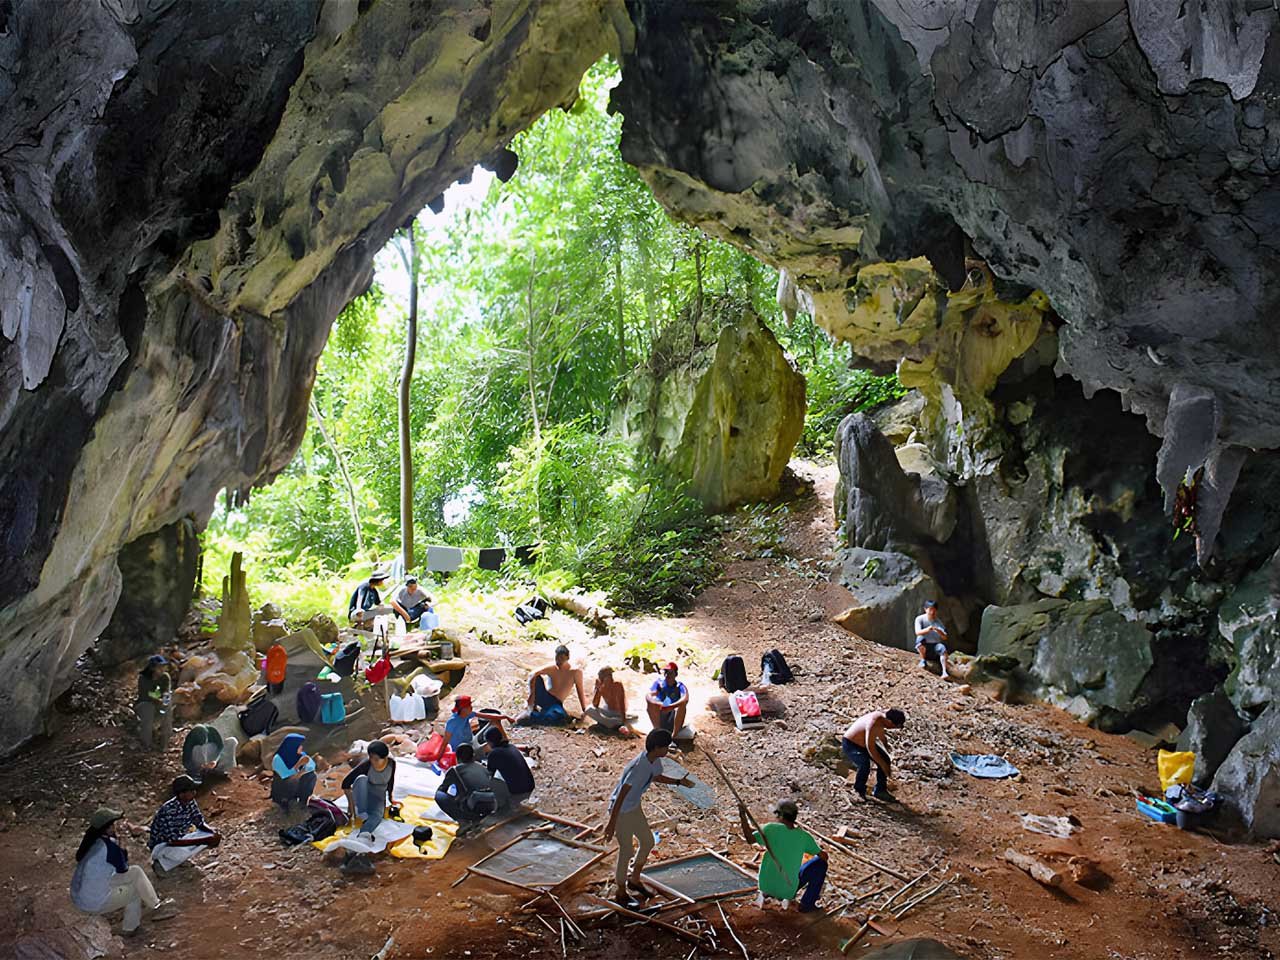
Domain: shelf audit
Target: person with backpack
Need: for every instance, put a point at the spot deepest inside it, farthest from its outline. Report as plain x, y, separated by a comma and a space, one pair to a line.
466, 794
626, 814
178, 830
293, 773
783, 869
104, 882
366, 603
206, 754
153, 709
612, 715
668, 701
508, 763
864, 743
371, 785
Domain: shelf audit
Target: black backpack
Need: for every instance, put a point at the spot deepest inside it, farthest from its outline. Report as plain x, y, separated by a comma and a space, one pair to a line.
774, 669
258, 717
308, 702
733, 674
535, 608
316, 827
344, 664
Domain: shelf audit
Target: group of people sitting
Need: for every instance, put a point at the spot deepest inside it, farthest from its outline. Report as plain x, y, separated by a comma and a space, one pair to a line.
666, 702
410, 602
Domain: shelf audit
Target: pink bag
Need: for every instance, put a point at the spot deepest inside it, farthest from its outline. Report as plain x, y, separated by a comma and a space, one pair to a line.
431, 749
748, 705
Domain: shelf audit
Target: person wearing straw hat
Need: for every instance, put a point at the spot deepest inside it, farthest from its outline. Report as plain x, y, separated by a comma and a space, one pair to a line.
103, 881
784, 870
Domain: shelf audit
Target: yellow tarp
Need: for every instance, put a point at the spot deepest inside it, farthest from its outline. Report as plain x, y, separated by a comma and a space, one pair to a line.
443, 833
1175, 768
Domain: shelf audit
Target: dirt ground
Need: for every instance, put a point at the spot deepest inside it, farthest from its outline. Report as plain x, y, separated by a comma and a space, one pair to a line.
1164, 893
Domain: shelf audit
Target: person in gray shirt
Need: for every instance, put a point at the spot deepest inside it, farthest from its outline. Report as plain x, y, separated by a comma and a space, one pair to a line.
931, 638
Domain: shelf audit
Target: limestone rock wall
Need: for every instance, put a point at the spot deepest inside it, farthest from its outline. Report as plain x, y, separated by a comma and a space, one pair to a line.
719, 404
189, 193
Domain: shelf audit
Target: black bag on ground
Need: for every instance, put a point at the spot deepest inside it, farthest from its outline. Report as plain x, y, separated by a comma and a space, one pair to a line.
535, 608
308, 702
318, 826
774, 669
258, 717
344, 664
733, 674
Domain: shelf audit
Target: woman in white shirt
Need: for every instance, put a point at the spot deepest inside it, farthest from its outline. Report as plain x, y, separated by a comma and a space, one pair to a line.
103, 881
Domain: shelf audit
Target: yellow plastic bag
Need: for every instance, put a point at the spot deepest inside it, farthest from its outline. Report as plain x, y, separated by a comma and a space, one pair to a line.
1175, 768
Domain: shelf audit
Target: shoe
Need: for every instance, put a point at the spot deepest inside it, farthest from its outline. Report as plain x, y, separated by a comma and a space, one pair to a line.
639, 890
808, 909
627, 902
880, 793
861, 793
358, 865
760, 901
786, 904
166, 909
924, 665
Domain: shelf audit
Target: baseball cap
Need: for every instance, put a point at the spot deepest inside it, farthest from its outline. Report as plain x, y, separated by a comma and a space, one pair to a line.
930, 603
672, 667
102, 817
411, 579
461, 703
156, 660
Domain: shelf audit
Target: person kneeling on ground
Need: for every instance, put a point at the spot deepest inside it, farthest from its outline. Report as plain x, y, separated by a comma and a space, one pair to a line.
626, 814
179, 830
549, 688
370, 786
293, 773
103, 881
472, 797
366, 603
865, 742
206, 754
783, 869
668, 700
931, 638
409, 602
613, 715
516, 784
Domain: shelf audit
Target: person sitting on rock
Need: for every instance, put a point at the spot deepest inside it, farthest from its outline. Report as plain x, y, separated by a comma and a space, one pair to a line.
466, 794
370, 786
206, 754
410, 602
512, 778
783, 869
613, 714
668, 701
366, 603
865, 743
179, 830
153, 709
549, 688
293, 773
103, 881
931, 638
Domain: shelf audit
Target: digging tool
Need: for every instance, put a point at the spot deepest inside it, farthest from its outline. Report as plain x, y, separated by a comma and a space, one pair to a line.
751, 820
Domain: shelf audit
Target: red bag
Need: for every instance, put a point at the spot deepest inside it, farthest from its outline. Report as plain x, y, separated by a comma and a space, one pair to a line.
450, 759
431, 749
378, 672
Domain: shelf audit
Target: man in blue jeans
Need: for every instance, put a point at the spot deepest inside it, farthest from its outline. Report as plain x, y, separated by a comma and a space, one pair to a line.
864, 743
784, 871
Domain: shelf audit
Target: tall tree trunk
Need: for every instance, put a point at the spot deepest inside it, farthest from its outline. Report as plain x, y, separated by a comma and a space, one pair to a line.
346, 477
621, 318
406, 384
530, 346
697, 266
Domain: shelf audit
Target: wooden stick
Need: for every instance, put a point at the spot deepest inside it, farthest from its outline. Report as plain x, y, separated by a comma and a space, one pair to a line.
465, 873
741, 946
848, 944
564, 949
561, 820
751, 820
859, 857
680, 932
885, 906
920, 899
542, 920
386, 948
577, 930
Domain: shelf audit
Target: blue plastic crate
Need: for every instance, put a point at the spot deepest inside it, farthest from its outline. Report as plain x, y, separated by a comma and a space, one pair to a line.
1157, 810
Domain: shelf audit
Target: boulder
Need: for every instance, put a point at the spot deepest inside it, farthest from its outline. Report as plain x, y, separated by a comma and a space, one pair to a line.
1249, 778
889, 590
1083, 648
324, 628
266, 632
719, 405
226, 678
158, 576
1212, 729
1247, 621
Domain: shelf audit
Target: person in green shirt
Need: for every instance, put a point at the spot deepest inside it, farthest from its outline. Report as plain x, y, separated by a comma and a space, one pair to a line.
783, 869
155, 721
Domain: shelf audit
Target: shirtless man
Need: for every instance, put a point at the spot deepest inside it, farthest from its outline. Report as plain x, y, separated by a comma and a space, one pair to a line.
613, 715
549, 688
865, 742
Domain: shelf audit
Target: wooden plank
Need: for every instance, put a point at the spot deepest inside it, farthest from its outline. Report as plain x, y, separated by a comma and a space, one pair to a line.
582, 869
1040, 871
563, 820
860, 858
663, 888
511, 883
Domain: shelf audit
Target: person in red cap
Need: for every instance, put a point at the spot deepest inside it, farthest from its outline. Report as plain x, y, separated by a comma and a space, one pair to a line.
667, 700
458, 729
